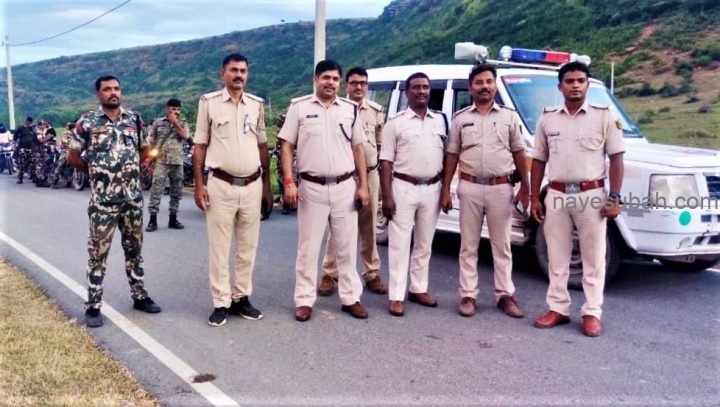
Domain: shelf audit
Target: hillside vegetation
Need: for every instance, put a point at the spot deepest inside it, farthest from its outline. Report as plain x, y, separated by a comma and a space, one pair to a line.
666, 54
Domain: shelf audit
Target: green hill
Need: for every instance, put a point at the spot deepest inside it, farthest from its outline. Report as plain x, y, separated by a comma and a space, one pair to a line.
665, 52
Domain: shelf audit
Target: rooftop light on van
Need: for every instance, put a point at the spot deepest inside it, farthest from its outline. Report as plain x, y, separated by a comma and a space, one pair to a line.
468, 50
509, 55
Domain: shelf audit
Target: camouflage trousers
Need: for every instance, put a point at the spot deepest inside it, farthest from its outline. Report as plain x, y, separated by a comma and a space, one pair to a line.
40, 154
104, 218
24, 162
61, 162
166, 174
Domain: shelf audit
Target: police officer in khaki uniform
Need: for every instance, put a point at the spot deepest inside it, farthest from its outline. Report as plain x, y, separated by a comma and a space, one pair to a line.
372, 119
411, 169
486, 139
327, 131
573, 140
230, 139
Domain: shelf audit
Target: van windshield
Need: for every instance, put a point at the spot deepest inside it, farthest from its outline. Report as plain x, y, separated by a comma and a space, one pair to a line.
531, 93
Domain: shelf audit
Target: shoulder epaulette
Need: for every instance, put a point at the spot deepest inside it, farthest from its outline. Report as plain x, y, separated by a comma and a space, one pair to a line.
506, 107
599, 106
211, 95
255, 98
463, 110
550, 109
375, 106
346, 100
397, 114
300, 99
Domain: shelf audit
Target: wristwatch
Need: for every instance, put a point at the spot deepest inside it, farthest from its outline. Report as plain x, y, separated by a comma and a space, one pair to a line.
614, 196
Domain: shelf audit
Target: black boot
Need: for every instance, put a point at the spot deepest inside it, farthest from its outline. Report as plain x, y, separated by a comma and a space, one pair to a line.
152, 225
174, 223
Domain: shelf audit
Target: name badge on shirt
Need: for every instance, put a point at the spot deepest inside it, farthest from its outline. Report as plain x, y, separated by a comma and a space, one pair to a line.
553, 133
311, 116
469, 124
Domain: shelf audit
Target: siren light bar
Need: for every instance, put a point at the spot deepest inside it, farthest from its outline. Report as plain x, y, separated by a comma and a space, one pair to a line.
468, 50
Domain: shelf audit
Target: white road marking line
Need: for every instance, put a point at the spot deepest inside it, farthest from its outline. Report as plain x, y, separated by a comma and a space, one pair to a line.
208, 390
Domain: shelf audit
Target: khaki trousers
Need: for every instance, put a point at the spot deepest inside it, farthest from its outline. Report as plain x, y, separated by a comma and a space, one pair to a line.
476, 201
367, 218
562, 212
418, 206
318, 205
233, 209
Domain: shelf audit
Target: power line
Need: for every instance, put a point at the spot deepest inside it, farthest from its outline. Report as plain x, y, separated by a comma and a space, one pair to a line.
74, 28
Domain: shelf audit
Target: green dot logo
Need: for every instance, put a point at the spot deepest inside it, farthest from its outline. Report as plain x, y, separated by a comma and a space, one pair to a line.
685, 218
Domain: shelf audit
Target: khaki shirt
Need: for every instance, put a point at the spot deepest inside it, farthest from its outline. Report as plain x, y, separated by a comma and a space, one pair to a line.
415, 145
323, 136
231, 132
575, 146
372, 119
485, 143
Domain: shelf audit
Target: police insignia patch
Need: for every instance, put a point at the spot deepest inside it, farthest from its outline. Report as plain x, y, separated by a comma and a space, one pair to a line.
618, 124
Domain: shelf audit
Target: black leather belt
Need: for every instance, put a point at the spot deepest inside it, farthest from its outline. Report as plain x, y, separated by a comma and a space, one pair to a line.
237, 181
416, 180
326, 180
373, 168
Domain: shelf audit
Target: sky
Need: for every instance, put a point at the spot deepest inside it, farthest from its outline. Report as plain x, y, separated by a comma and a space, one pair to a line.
148, 22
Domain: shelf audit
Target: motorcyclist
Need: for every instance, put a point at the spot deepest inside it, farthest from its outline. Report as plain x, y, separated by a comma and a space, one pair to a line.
46, 137
27, 140
63, 144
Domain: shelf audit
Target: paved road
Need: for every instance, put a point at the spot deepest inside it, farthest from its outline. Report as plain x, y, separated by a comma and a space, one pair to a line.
660, 345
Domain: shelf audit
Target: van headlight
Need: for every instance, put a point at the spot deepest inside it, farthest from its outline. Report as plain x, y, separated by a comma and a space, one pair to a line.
671, 191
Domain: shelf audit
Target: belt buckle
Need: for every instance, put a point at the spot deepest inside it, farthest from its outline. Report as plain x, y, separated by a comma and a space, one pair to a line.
572, 188
331, 180
482, 181
239, 182
422, 181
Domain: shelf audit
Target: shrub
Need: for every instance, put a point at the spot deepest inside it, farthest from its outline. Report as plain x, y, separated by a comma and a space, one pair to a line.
704, 109
692, 99
646, 117
664, 109
645, 90
696, 134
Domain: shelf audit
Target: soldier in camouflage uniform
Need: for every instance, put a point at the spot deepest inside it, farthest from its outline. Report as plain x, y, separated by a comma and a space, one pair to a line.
26, 141
114, 142
46, 137
167, 135
63, 145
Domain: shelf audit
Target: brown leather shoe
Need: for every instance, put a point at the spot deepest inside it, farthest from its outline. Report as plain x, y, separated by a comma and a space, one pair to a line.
551, 319
396, 308
327, 286
376, 285
423, 299
510, 307
467, 307
591, 326
356, 310
303, 313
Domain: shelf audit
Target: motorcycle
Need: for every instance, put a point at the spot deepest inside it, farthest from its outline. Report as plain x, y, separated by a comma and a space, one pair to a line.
66, 171
6, 157
188, 176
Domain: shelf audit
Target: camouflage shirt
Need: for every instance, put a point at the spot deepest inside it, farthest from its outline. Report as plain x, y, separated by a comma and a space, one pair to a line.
112, 154
163, 136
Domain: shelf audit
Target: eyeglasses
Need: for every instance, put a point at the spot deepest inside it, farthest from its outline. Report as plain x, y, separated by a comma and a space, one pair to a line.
358, 83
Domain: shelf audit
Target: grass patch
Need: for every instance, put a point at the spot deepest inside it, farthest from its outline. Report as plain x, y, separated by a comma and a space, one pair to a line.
46, 359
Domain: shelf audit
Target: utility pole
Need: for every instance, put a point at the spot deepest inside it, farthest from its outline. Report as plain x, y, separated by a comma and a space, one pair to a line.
319, 31
11, 103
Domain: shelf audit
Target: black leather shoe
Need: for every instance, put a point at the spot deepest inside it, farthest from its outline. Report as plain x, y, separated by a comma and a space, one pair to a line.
146, 305
174, 223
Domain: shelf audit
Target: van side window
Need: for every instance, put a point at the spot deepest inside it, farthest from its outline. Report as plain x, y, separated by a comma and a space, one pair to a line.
380, 92
437, 93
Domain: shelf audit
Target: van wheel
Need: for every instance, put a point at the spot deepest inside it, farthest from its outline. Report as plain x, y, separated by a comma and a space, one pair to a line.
694, 267
613, 256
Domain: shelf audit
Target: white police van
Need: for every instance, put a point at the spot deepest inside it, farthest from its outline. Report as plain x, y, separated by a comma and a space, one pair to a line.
671, 193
